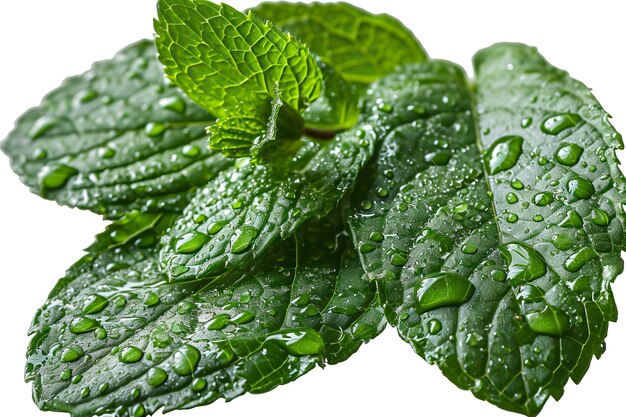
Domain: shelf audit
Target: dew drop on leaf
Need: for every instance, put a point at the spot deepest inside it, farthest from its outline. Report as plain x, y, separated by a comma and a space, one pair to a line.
83, 325
569, 154
556, 124
130, 354
550, 321
186, 360
523, 262
442, 289
504, 153
156, 377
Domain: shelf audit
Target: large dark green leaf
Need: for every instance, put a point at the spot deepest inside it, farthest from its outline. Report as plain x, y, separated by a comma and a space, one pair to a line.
115, 337
495, 260
234, 218
361, 46
114, 139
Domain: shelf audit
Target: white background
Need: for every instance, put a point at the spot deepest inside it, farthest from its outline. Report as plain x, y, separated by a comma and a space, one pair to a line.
44, 41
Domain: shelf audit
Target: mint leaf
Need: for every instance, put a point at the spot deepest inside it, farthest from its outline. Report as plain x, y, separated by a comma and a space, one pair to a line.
114, 338
234, 65
497, 260
234, 219
360, 46
114, 139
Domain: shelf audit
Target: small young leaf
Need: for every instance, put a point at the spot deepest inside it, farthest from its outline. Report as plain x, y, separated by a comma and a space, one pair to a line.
495, 262
114, 338
234, 65
360, 46
114, 139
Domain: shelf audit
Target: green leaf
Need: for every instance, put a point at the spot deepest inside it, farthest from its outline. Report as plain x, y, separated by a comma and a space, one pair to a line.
115, 338
234, 219
360, 46
496, 261
236, 66
114, 139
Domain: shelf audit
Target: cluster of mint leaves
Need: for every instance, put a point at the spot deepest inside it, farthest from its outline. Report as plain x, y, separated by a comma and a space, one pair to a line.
349, 182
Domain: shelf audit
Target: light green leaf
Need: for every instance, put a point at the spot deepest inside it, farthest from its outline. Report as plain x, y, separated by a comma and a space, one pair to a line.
236, 66
114, 139
360, 46
114, 338
495, 263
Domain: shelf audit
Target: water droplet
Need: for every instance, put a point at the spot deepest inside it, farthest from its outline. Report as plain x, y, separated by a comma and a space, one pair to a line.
85, 96
198, 384
77, 379
512, 218
384, 106
470, 248
524, 264
511, 198
85, 392
106, 153
526, 122
580, 188
103, 388
382, 192
151, 299
186, 360
599, 217
558, 123
569, 154
538, 218
191, 242
299, 342
543, 199
216, 227
43, 125
376, 237
434, 327
101, 334
550, 321
442, 289
438, 158
175, 104
218, 322
563, 241
161, 339
156, 377
66, 375
119, 301
498, 275
71, 354
504, 153
55, 176
572, 219
95, 304
530, 294
138, 411
579, 259
399, 258
130, 354
243, 318
473, 339
83, 325
243, 239
179, 270
191, 151
155, 129
517, 185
